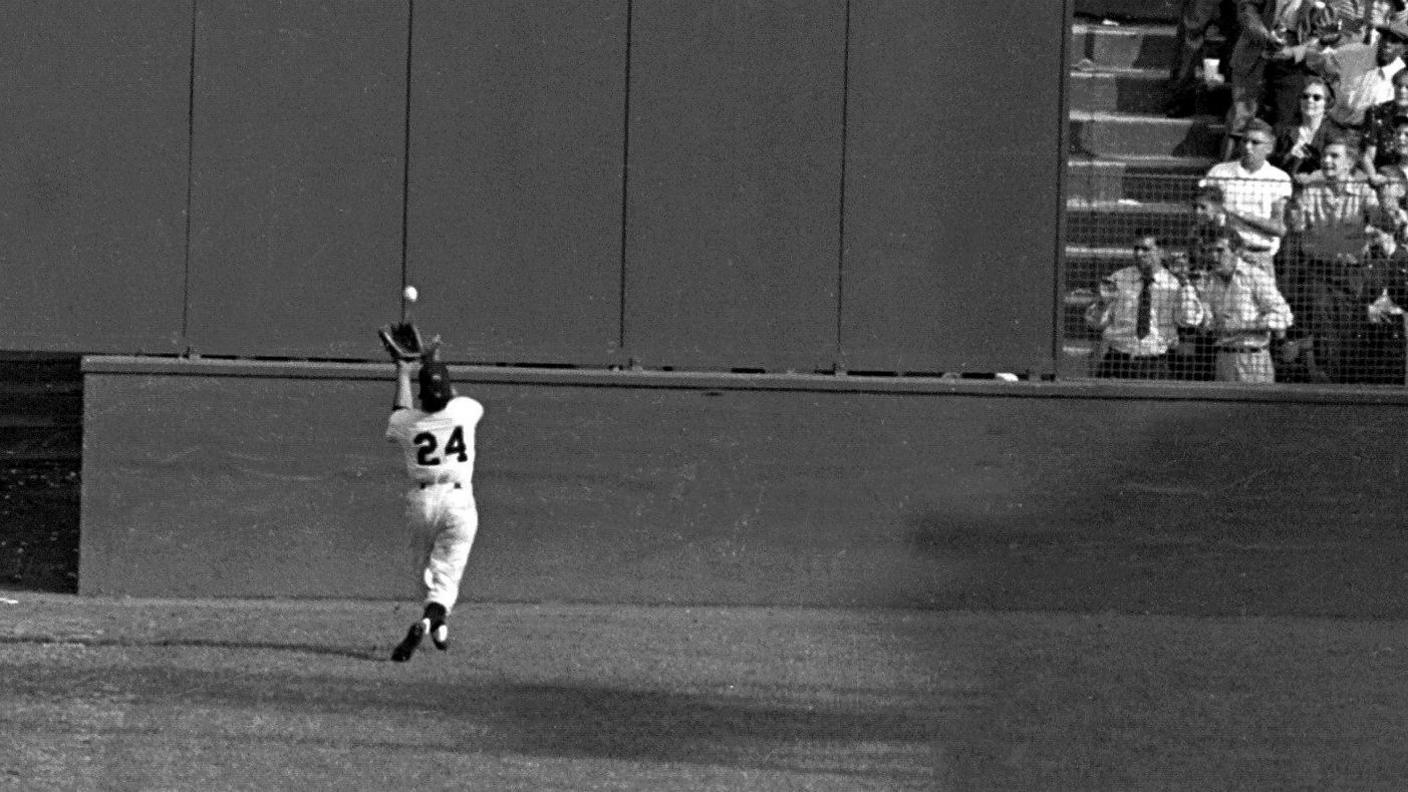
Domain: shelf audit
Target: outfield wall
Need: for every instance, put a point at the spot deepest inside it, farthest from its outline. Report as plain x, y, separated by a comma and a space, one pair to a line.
228, 478
713, 184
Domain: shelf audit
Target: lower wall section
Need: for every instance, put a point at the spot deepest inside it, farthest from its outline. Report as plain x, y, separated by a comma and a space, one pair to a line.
262, 480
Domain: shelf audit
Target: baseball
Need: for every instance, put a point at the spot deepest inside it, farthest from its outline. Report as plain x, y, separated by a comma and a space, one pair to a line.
410, 294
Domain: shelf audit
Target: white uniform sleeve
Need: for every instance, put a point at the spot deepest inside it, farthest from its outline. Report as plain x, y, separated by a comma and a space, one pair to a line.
467, 410
395, 424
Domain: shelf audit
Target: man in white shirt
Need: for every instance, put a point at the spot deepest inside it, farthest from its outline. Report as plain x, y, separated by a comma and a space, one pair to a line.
1139, 312
1362, 74
1255, 193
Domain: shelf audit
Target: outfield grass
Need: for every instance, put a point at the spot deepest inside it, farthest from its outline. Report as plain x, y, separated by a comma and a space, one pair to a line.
157, 695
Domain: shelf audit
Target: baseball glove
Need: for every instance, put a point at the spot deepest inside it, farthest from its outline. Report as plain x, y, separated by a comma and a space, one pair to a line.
402, 341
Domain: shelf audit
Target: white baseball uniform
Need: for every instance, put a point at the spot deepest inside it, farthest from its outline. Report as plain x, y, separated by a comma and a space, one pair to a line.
440, 508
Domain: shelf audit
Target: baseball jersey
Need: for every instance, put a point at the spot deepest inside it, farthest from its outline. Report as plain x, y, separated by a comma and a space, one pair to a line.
438, 446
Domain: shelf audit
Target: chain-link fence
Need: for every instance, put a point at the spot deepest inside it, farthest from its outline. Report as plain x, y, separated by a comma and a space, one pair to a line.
1222, 278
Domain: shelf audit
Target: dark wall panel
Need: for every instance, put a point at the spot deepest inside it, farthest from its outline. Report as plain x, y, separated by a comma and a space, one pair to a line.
734, 182
296, 200
278, 493
93, 163
952, 198
517, 146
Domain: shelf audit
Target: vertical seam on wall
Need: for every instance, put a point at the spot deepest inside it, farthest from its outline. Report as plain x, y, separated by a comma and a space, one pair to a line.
838, 352
1058, 280
625, 185
406, 154
185, 340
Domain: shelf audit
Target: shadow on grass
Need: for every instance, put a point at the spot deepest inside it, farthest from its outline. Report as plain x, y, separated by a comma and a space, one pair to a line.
802, 730
370, 653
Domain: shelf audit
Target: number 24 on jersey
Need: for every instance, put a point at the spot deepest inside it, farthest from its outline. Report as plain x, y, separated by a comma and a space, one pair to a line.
430, 453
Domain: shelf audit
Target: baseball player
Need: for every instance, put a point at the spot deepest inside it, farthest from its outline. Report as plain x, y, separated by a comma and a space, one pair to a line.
437, 440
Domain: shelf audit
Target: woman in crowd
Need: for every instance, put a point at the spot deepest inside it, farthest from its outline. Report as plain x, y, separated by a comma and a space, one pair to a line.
1381, 124
1298, 145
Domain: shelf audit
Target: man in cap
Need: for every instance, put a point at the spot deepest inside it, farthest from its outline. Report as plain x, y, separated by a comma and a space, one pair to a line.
437, 442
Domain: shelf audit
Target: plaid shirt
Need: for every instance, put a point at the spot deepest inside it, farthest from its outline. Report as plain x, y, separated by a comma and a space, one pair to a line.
1238, 308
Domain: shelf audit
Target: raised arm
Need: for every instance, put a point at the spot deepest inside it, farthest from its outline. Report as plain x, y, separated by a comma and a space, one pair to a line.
403, 386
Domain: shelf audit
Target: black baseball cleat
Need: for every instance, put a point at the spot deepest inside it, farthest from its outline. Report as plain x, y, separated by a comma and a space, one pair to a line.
440, 636
407, 647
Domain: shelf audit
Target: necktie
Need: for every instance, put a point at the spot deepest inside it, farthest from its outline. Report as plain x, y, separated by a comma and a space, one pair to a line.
1146, 305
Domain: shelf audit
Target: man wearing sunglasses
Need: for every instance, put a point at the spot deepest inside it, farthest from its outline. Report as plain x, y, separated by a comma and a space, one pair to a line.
1254, 193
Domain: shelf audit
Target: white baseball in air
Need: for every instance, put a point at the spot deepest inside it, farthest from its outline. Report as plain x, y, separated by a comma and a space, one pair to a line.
410, 294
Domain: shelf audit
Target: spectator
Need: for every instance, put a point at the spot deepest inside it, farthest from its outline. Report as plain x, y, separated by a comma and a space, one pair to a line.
1306, 29
1138, 313
1378, 356
1363, 73
1299, 143
1278, 48
1241, 306
1255, 194
1381, 126
1395, 156
1393, 190
1335, 205
1331, 213
1190, 48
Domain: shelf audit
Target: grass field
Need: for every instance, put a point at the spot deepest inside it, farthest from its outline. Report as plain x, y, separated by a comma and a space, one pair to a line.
174, 695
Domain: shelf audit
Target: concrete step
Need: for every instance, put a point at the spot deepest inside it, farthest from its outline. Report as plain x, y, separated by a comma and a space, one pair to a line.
1111, 224
1119, 135
1135, 10
1122, 46
1137, 178
1087, 264
1136, 92
1118, 91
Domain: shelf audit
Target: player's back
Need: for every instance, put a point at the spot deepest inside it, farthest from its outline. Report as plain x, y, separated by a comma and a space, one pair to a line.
438, 446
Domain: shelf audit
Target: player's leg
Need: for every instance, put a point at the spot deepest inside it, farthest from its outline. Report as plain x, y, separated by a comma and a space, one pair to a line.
420, 516
411, 642
445, 567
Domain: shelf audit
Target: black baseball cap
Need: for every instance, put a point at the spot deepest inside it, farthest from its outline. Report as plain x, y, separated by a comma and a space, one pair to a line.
436, 390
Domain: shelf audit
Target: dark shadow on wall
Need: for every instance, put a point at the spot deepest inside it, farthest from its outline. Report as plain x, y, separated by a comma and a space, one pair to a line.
1206, 509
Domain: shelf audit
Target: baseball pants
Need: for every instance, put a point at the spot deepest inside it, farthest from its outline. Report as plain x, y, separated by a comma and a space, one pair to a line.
444, 521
